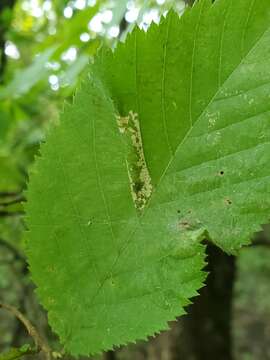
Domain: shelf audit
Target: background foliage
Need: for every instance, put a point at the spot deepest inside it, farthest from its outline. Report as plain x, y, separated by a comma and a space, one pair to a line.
45, 48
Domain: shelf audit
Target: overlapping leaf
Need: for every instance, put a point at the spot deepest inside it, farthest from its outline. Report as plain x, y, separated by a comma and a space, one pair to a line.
192, 94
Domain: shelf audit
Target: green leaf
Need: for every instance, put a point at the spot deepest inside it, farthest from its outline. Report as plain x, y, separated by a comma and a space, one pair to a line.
96, 274
18, 353
26, 78
71, 75
209, 113
166, 143
10, 177
69, 30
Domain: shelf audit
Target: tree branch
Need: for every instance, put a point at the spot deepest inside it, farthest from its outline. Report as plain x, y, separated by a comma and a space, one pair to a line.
4, 213
5, 194
40, 343
14, 200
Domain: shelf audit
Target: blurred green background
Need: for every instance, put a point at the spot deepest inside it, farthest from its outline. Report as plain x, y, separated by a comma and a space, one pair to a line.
45, 47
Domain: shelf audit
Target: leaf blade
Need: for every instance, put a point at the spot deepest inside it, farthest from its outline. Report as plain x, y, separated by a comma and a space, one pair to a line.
127, 278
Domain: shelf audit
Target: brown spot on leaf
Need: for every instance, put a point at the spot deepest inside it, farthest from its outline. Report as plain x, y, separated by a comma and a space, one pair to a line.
184, 224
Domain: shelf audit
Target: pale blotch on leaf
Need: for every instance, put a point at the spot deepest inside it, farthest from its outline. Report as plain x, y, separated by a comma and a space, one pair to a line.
140, 180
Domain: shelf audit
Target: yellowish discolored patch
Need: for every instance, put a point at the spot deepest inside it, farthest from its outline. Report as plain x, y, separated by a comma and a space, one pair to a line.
140, 180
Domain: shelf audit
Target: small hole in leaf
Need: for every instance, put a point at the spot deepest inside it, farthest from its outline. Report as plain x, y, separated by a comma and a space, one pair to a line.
221, 172
228, 201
